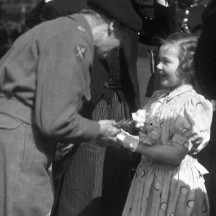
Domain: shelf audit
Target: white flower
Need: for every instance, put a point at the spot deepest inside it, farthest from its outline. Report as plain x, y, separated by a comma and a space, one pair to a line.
139, 117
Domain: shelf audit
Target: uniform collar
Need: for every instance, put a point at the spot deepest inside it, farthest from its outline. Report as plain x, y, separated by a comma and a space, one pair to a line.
83, 25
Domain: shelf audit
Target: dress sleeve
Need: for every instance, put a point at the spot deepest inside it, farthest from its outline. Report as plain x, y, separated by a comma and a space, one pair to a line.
192, 125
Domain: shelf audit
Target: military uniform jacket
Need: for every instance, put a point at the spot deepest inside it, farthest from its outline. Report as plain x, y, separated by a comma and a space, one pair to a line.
47, 69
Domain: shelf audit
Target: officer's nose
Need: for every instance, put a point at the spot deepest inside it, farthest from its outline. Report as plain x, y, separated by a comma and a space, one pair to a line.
159, 66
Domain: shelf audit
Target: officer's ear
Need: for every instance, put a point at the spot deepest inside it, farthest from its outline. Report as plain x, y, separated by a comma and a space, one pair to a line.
111, 27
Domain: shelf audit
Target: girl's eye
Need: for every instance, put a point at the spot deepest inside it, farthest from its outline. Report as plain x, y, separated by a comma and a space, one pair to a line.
163, 60
166, 61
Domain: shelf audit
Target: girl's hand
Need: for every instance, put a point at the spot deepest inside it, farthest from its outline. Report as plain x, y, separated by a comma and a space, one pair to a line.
163, 2
149, 134
145, 139
127, 140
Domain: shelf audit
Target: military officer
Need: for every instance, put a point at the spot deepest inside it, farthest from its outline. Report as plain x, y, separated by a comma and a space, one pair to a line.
44, 80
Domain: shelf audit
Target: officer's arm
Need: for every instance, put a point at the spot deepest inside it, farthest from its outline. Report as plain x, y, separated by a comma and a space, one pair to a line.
63, 78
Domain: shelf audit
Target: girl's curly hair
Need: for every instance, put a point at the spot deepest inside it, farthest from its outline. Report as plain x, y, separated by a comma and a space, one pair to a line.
187, 45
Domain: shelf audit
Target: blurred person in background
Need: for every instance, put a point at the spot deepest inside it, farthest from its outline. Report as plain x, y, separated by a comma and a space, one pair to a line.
205, 71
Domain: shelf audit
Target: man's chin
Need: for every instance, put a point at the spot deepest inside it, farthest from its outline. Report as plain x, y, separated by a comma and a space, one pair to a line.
102, 55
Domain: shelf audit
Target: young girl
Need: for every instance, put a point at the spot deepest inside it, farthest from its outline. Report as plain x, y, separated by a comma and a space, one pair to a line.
177, 120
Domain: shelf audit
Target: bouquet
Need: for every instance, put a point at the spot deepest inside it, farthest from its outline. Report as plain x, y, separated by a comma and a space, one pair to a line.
149, 131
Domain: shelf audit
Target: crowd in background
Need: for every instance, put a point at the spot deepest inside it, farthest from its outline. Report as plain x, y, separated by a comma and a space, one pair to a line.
9, 31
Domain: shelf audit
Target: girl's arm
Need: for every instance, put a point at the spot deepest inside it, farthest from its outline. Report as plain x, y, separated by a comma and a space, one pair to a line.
191, 133
172, 154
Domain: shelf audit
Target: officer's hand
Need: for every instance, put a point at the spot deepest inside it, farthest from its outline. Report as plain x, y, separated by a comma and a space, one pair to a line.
108, 129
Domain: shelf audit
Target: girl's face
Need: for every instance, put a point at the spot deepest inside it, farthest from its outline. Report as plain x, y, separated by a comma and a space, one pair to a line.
168, 67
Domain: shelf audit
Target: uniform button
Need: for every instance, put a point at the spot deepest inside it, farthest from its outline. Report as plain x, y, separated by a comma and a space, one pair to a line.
157, 186
81, 28
106, 84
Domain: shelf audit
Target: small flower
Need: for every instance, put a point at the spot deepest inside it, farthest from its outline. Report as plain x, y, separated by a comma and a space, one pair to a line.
140, 117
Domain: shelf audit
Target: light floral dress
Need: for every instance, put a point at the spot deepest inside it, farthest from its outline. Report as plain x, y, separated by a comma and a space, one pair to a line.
160, 189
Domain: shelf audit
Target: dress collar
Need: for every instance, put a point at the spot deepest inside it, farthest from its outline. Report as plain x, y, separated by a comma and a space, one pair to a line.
178, 91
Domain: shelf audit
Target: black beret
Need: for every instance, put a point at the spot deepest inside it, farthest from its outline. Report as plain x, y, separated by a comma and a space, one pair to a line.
120, 10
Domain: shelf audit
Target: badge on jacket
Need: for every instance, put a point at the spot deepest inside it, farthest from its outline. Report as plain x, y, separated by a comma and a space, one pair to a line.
80, 52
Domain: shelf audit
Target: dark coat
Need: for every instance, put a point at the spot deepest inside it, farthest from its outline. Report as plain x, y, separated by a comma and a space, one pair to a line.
205, 71
205, 56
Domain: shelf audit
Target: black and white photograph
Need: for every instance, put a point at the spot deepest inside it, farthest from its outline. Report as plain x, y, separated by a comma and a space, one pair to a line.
107, 107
